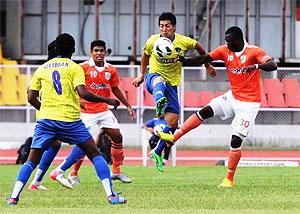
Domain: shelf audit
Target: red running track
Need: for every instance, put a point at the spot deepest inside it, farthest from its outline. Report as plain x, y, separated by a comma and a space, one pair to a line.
184, 157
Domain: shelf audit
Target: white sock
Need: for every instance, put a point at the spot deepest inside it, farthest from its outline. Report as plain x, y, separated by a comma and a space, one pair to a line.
17, 188
106, 186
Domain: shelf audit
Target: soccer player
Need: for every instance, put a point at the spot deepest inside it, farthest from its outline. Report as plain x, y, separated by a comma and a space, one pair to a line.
60, 81
101, 78
243, 63
165, 75
52, 151
158, 123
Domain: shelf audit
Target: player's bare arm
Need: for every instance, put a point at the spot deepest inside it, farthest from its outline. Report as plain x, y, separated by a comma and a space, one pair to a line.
118, 93
32, 97
209, 68
84, 93
140, 78
270, 65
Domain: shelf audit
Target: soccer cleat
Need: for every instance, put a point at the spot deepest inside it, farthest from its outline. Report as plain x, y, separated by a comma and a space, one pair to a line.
60, 178
226, 183
169, 137
122, 177
158, 160
117, 199
11, 201
160, 106
74, 180
36, 187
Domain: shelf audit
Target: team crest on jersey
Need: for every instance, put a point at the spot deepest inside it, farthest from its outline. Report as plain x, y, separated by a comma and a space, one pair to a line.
107, 75
229, 58
243, 59
177, 49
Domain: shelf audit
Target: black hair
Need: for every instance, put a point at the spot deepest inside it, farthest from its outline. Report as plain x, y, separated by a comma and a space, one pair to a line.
65, 45
235, 31
98, 43
167, 16
51, 50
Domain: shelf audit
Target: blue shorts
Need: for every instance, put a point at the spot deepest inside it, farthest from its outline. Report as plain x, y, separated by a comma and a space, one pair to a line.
46, 131
171, 93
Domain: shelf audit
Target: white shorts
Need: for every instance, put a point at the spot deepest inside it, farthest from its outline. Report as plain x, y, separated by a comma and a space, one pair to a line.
95, 122
244, 113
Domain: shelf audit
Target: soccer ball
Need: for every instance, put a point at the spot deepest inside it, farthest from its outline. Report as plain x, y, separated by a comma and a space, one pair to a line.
158, 128
163, 47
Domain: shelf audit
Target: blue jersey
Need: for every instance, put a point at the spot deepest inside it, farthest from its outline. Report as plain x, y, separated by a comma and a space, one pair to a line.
155, 122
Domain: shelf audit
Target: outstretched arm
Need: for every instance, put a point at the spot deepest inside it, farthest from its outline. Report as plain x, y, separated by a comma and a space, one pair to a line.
84, 93
210, 69
140, 78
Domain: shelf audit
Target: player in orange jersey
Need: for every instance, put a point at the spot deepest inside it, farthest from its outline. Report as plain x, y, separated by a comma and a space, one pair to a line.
243, 63
101, 78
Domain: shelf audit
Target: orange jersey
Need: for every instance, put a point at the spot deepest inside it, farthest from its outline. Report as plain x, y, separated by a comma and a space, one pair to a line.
99, 81
245, 86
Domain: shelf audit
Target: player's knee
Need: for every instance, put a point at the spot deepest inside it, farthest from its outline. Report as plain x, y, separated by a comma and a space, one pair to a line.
236, 141
157, 80
205, 113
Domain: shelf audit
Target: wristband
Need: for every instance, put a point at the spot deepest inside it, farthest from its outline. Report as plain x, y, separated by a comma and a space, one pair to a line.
256, 66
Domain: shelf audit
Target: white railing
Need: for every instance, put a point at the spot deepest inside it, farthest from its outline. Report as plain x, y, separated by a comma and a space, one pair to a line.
138, 137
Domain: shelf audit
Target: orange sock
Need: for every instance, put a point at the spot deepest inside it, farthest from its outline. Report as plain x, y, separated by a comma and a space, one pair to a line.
75, 167
192, 122
117, 157
233, 160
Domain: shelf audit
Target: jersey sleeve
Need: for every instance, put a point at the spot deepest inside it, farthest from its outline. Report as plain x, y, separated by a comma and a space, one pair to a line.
114, 80
191, 43
218, 53
35, 82
79, 76
261, 56
150, 123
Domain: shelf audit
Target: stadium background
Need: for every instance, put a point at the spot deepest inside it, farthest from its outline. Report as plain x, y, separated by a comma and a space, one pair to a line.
28, 26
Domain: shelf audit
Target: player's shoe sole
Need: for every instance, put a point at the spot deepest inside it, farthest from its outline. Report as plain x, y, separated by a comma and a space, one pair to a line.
169, 137
158, 161
160, 106
122, 177
60, 178
226, 183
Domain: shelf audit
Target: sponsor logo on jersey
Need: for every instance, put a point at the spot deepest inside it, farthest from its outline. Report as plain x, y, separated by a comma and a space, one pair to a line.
99, 86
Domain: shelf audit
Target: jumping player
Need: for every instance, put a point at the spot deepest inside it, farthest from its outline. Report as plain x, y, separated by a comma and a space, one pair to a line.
165, 75
243, 63
60, 80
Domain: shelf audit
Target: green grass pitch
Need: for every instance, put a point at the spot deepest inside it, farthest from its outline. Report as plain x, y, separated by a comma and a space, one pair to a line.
179, 189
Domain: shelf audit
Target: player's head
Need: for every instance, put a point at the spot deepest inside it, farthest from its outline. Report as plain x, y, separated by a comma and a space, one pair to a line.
65, 45
98, 52
51, 50
234, 39
167, 24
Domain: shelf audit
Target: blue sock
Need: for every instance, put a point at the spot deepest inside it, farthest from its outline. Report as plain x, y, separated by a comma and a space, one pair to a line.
158, 91
46, 160
161, 144
73, 157
22, 178
103, 173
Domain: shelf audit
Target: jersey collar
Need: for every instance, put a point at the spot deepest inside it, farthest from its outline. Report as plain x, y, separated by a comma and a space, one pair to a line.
92, 63
241, 52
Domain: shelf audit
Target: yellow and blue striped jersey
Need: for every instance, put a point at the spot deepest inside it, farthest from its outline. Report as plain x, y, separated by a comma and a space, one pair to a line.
56, 80
165, 66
